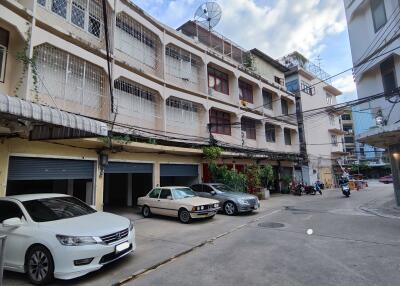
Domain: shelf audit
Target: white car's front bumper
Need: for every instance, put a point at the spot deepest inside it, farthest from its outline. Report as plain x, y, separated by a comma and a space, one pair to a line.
65, 257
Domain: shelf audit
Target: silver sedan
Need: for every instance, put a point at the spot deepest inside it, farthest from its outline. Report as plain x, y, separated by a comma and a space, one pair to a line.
231, 202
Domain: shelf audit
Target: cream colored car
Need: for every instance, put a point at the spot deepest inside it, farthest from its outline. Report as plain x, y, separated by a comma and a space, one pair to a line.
179, 202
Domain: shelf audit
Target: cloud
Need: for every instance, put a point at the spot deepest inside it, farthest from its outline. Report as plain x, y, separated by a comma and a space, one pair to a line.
277, 27
345, 84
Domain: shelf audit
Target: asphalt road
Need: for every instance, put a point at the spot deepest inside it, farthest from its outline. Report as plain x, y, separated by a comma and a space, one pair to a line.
347, 247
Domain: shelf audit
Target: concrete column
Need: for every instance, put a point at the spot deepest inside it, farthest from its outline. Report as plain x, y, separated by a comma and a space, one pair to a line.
89, 193
99, 187
70, 187
3, 167
129, 190
156, 174
394, 151
234, 88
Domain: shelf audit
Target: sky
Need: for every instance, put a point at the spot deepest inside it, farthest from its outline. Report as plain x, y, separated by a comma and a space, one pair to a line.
316, 28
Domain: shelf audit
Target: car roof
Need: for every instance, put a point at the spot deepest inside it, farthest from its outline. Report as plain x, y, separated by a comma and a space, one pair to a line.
30, 197
171, 187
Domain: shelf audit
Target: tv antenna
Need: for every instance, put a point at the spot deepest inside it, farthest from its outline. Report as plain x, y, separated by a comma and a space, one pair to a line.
208, 14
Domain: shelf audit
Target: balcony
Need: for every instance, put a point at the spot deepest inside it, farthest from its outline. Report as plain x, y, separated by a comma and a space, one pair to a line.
84, 18
184, 69
337, 131
137, 46
71, 83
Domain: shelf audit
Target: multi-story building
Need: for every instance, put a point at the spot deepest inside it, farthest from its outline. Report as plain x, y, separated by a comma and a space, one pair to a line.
320, 132
347, 125
105, 108
375, 39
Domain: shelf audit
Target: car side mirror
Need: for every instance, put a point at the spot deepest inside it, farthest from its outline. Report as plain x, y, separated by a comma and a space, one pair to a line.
213, 193
12, 222
169, 198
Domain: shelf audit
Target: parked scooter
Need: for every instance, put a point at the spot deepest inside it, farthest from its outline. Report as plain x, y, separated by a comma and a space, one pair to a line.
298, 189
310, 190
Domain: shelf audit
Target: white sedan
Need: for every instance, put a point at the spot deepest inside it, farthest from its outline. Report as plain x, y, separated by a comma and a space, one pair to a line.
53, 235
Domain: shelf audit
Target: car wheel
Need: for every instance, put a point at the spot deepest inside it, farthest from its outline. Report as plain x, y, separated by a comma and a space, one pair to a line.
184, 216
230, 208
146, 212
39, 265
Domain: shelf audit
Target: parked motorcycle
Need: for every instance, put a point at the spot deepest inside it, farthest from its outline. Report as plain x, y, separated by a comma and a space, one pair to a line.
298, 189
310, 190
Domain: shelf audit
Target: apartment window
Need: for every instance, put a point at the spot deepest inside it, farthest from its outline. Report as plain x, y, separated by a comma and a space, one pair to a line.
285, 107
249, 127
95, 14
349, 139
329, 99
331, 119
182, 112
279, 80
78, 13
307, 88
42, 2
388, 74
334, 140
288, 136
245, 92
4, 35
378, 13
270, 133
218, 80
267, 99
59, 7
293, 85
348, 128
220, 122
346, 117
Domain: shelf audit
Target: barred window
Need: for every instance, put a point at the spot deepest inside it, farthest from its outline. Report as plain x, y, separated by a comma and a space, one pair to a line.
285, 107
245, 91
249, 127
78, 13
270, 133
218, 80
288, 136
220, 122
134, 29
59, 7
267, 99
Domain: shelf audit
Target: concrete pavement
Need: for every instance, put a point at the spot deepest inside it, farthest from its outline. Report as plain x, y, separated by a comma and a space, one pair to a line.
245, 249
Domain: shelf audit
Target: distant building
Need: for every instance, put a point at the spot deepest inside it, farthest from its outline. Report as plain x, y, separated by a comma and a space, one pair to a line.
320, 133
349, 146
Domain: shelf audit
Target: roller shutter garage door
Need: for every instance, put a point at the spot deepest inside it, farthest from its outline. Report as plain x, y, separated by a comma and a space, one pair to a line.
128, 168
179, 170
32, 169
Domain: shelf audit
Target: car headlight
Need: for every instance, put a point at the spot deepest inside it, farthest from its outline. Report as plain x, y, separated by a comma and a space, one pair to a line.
216, 205
75, 240
131, 225
243, 201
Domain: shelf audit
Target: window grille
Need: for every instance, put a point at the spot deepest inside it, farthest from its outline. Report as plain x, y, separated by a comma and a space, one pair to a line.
249, 127
288, 136
137, 41
245, 91
220, 122
267, 99
69, 78
329, 99
135, 98
182, 111
84, 14
270, 133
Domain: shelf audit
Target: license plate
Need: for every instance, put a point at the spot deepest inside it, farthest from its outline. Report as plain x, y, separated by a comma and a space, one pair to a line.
122, 247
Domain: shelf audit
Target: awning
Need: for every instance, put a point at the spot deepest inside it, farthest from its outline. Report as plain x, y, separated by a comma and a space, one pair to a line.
37, 113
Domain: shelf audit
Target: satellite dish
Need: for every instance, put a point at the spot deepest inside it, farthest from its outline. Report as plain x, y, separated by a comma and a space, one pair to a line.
208, 14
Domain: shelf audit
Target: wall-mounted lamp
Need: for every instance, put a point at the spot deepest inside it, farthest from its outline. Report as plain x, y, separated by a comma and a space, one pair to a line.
103, 161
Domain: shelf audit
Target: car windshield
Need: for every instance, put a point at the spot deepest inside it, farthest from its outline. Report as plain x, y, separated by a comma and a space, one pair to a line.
182, 193
222, 188
51, 209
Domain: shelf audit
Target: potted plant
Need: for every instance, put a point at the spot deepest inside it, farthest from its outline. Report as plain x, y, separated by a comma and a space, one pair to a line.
285, 186
266, 178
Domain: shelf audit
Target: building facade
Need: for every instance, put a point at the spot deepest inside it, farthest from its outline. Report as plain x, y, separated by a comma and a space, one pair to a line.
106, 108
320, 131
375, 40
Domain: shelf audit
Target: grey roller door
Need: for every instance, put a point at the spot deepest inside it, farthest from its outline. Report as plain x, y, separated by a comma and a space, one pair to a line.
25, 168
179, 170
128, 168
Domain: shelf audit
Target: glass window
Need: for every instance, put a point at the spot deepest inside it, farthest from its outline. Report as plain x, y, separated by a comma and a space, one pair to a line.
267, 99
222, 188
249, 127
334, 140
56, 208
182, 193
42, 2
270, 133
165, 193
285, 107
245, 92
9, 210
346, 117
59, 7
331, 119
293, 86
288, 136
4, 37
307, 88
388, 74
378, 13
329, 98
155, 193
220, 122
78, 13
349, 139
218, 80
